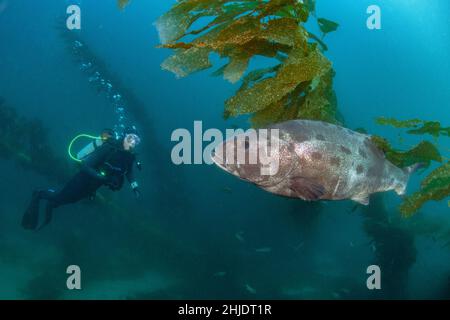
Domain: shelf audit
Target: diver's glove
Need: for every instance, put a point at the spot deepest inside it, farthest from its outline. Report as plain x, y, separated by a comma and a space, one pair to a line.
137, 193
102, 177
135, 188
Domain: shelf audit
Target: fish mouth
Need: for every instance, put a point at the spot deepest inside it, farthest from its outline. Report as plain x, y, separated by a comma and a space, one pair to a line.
218, 161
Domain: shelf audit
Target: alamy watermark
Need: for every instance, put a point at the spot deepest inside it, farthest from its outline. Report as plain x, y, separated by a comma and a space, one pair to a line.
74, 280
374, 280
73, 22
252, 146
374, 20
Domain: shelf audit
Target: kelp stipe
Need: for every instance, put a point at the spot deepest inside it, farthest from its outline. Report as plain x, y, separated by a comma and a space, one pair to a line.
25, 141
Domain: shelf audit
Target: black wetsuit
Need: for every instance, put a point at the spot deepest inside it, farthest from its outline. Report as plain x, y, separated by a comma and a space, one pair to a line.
108, 165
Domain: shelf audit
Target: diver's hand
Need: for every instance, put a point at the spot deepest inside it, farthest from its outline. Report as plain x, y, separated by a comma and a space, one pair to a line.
102, 178
137, 193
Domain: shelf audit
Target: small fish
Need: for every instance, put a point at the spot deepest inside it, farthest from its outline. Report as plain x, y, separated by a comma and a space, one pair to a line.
238, 235
250, 289
264, 250
352, 244
227, 190
24, 157
300, 245
219, 274
336, 295
374, 247
345, 290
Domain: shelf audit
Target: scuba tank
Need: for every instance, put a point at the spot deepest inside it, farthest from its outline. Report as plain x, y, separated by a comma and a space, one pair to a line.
97, 141
91, 147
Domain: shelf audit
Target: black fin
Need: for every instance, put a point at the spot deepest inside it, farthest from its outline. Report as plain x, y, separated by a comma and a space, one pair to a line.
306, 188
48, 215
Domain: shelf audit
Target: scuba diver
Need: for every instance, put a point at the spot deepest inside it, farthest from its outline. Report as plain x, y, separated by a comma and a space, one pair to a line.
106, 163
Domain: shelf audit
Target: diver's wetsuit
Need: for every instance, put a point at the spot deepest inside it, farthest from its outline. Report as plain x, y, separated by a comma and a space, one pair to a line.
112, 160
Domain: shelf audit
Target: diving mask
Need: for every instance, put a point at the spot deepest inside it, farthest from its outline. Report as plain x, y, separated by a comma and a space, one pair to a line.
132, 139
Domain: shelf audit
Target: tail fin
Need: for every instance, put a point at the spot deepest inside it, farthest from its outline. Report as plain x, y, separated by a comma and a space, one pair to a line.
413, 168
401, 187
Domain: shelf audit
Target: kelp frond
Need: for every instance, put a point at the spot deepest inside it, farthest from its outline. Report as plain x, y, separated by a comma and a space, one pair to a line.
424, 152
122, 3
327, 26
299, 85
436, 186
417, 126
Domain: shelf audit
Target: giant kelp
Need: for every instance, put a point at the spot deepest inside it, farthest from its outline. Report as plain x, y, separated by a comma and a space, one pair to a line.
393, 246
424, 152
26, 142
299, 85
416, 126
122, 3
436, 186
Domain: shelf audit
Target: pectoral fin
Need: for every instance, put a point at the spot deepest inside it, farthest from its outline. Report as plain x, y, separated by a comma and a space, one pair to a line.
306, 188
362, 199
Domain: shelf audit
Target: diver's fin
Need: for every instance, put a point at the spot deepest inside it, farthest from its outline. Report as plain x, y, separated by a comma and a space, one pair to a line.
48, 215
30, 218
362, 199
306, 189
